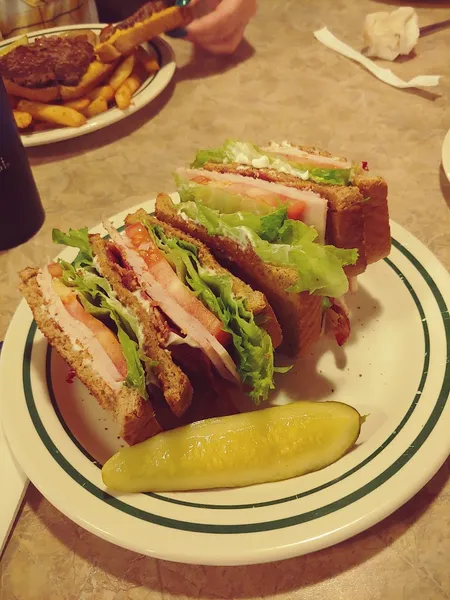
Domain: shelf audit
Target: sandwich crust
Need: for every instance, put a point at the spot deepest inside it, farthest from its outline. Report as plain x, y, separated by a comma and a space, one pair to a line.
299, 315
175, 385
374, 192
134, 414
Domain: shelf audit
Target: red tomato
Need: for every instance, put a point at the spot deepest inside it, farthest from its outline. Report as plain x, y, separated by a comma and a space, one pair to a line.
55, 269
168, 279
105, 336
296, 210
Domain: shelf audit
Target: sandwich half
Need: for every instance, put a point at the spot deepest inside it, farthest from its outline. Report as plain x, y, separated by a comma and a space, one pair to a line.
357, 204
277, 255
215, 320
105, 342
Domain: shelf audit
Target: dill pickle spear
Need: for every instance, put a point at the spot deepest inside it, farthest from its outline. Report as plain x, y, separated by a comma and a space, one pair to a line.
258, 447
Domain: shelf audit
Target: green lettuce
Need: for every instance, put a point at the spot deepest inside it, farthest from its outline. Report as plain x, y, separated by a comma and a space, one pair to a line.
245, 153
253, 347
98, 299
319, 267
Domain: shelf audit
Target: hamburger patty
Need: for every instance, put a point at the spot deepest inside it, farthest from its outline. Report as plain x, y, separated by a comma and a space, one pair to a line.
49, 61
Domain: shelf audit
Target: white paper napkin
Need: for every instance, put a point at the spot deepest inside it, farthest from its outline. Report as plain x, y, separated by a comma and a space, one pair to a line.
328, 39
13, 484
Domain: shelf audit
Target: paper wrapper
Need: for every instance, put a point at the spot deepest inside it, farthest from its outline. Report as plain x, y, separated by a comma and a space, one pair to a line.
328, 39
387, 35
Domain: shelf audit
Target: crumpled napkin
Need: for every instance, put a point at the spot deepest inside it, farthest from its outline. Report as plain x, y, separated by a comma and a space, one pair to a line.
328, 39
387, 35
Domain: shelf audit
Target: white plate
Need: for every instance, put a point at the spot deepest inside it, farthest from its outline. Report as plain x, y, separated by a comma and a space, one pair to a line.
149, 90
395, 368
446, 155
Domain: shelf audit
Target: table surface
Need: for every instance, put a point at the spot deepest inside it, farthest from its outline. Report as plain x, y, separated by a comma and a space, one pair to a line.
282, 84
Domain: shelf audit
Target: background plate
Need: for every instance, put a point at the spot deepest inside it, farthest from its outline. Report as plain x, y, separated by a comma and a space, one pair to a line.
150, 89
395, 368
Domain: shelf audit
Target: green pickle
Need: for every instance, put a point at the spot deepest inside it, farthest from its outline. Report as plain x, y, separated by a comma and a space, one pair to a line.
245, 449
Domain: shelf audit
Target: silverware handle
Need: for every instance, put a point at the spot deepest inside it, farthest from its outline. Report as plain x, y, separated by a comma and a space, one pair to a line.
434, 27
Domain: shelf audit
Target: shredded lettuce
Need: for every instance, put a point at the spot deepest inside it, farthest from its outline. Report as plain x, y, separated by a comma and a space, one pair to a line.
245, 153
252, 344
98, 298
319, 267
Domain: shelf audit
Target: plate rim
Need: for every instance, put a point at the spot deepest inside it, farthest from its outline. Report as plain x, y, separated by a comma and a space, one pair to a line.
160, 81
346, 530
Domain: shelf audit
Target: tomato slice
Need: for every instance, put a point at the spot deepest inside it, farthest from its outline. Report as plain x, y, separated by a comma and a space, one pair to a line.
255, 199
105, 336
55, 269
296, 211
163, 273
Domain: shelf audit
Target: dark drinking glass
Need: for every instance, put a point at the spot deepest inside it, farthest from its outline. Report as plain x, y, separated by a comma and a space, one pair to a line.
21, 212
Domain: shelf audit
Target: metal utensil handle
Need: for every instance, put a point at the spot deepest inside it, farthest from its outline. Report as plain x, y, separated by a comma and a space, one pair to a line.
434, 27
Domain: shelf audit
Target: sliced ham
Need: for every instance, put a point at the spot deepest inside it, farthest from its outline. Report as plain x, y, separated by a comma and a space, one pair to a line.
288, 152
304, 205
81, 336
188, 324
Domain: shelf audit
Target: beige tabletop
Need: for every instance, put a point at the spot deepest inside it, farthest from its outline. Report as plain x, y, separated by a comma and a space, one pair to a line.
282, 84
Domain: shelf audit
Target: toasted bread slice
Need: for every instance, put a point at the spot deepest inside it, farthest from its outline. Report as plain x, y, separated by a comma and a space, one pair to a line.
175, 385
299, 315
256, 303
140, 28
134, 415
345, 220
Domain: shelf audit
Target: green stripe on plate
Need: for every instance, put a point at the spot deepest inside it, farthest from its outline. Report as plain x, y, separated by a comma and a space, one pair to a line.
262, 526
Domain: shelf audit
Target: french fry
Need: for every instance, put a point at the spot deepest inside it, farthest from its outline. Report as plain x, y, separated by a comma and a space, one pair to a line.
52, 113
79, 104
122, 72
96, 107
22, 119
22, 41
96, 73
147, 60
127, 89
104, 91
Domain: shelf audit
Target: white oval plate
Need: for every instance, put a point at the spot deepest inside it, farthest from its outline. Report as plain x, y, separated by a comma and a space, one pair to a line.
395, 369
150, 89
446, 155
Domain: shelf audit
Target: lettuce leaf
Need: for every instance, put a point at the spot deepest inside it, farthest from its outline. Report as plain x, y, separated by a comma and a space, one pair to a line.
252, 344
76, 238
319, 267
249, 154
98, 299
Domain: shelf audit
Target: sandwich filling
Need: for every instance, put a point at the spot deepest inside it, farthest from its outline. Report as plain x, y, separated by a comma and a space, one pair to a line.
254, 195
275, 238
89, 302
200, 305
283, 158
84, 330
